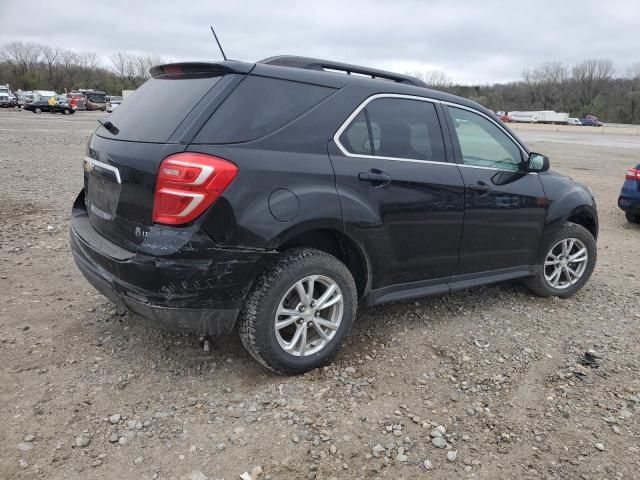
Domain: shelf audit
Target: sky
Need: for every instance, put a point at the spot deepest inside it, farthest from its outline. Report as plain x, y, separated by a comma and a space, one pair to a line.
471, 41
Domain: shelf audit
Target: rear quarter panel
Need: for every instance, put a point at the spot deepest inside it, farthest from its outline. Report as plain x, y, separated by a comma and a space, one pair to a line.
294, 158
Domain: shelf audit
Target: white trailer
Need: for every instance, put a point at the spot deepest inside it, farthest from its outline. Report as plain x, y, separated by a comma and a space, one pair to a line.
549, 116
540, 116
42, 95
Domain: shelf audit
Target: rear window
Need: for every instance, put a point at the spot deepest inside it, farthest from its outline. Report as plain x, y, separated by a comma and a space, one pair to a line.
156, 109
259, 106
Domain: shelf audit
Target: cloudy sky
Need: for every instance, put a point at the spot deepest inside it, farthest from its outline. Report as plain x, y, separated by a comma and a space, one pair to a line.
472, 41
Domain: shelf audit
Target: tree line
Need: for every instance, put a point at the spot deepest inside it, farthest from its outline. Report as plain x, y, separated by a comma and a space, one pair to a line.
33, 66
589, 87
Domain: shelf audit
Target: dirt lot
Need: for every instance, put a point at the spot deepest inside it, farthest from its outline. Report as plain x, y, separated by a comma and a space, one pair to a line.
87, 391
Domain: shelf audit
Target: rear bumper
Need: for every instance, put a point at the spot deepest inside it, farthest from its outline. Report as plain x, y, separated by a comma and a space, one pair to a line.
197, 295
629, 205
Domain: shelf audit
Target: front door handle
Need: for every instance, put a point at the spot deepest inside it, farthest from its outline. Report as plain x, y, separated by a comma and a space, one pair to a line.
374, 176
480, 187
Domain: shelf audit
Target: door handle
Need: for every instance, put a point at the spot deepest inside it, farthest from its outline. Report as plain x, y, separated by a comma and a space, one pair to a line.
374, 177
480, 187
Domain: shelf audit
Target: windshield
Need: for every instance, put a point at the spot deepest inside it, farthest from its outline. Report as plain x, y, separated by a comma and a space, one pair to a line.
96, 97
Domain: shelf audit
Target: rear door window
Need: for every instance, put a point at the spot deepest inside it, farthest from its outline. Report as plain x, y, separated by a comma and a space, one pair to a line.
154, 111
259, 106
396, 128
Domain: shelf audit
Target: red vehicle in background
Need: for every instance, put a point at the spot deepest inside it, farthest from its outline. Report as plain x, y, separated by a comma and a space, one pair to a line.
77, 100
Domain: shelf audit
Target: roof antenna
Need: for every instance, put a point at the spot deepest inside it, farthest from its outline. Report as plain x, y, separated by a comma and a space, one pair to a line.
218, 42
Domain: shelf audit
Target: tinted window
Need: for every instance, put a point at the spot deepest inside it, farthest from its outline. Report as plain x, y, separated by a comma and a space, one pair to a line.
397, 128
154, 111
356, 138
259, 106
482, 143
97, 97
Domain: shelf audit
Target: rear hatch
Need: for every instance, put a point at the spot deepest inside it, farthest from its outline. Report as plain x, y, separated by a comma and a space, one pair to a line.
155, 121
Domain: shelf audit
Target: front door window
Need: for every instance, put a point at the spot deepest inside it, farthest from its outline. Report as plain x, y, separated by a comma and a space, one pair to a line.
484, 144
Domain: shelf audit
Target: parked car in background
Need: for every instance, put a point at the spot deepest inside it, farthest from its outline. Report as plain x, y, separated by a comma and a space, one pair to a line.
24, 98
595, 119
629, 199
590, 122
40, 106
77, 100
113, 103
95, 99
276, 195
36, 95
574, 121
62, 99
7, 98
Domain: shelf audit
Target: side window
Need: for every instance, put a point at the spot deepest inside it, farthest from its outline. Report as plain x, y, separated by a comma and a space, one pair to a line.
396, 128
356, 138
482, 143
259, 106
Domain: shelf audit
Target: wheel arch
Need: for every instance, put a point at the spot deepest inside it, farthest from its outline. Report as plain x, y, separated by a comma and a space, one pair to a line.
586, 217
340, 245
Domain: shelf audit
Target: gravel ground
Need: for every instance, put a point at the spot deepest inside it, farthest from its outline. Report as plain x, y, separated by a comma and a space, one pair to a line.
488, 383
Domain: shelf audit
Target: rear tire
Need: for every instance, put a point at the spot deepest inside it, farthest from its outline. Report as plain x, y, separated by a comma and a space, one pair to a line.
632, 217
566, 283
37, 110
275, 292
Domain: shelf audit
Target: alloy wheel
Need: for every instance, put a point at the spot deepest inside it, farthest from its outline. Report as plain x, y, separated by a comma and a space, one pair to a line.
309, 315
565, 263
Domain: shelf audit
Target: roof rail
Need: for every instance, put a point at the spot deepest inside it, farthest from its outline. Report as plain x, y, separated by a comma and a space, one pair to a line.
329, 65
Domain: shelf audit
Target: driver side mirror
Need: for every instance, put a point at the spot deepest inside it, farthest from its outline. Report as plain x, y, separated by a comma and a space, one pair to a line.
537, 162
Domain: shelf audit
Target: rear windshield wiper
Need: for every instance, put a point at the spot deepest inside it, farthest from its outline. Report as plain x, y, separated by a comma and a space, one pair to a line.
109, 126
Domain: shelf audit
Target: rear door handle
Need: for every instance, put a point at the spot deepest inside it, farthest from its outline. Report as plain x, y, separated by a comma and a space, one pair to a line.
374, 177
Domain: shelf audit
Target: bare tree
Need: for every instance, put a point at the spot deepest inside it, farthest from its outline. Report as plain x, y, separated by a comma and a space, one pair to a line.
87, 65
144, 63
21, 56
50, 57
547, 84
590, 77
23, 60
435, 79
633, 72
120, 62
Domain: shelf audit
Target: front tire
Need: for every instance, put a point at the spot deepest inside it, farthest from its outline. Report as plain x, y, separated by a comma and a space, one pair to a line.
299, 311
567, 265
632, 217
37, 110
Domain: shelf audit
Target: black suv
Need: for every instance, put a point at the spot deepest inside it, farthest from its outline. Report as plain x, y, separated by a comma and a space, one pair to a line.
274, 196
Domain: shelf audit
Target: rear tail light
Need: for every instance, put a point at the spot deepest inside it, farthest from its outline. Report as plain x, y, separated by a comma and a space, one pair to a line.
633, 174
188, 184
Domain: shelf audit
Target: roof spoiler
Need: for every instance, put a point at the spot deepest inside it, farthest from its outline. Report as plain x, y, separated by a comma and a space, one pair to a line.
200, 68
308, 63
